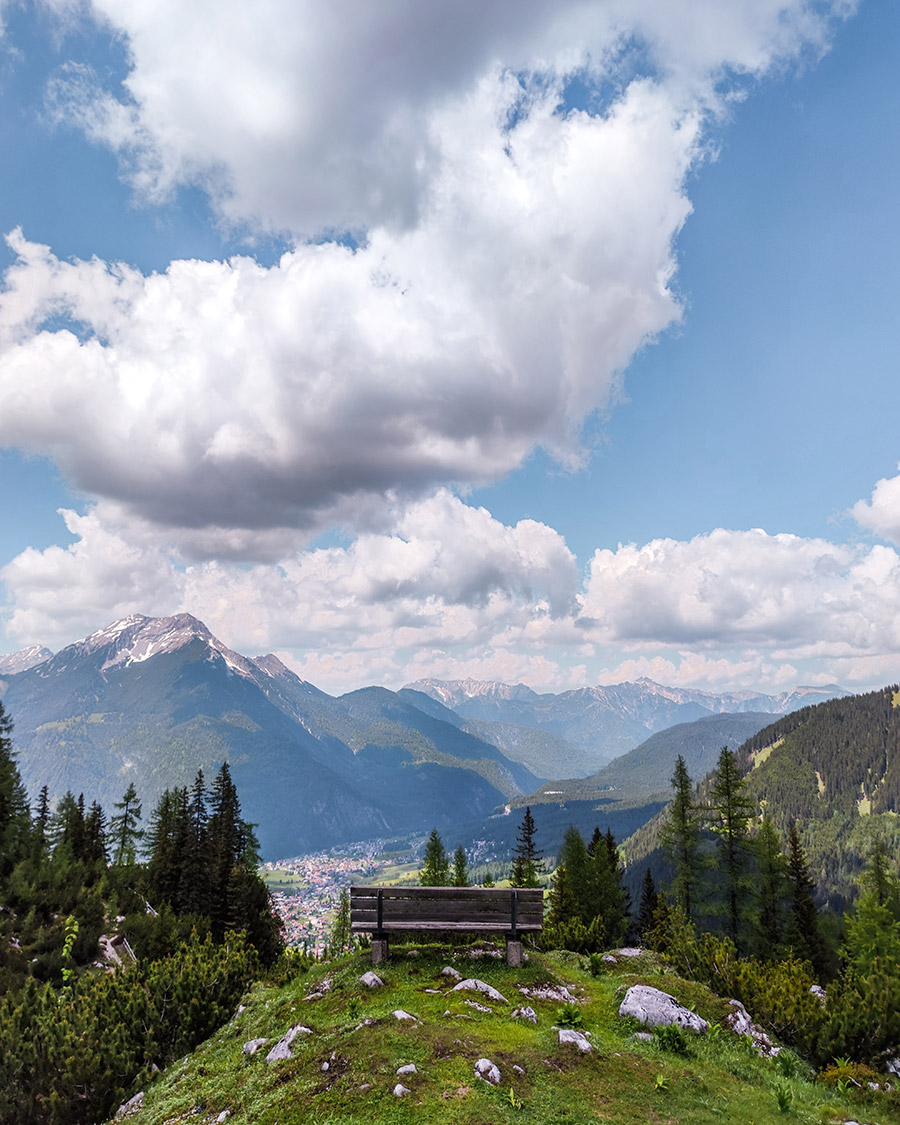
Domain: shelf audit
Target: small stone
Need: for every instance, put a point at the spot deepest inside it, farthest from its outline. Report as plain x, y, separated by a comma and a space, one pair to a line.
525, 1013
576, 1038
473, 985
609, 959
253, 1045
479, 1007
643, 1036
400, 1091
433, 991
449, 971
556, 992
366, 1086
819, 992
371, 980
223, 1116
131, 1107
402, 1016
282, 1049
629, 951
325, 1066
410, 1068
488, 1070
518, 1069
240, 1008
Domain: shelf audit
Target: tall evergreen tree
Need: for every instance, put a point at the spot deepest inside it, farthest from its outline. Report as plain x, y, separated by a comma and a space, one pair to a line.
194, 896
95, 849
731, 810
15, 818
340, 930
124, 831
772, 887
680, 839
802, 930
41, 821
436, 867
528, 863
647, 909
460, 868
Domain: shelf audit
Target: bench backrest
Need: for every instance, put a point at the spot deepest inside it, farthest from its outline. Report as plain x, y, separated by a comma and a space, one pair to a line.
476, 909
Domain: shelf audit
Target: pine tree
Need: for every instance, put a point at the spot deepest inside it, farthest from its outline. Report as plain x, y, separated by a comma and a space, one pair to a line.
124, 829
528, 863
340, 930
680, 839
41, 821
772, 889
732, 809
647, 909
15, 820
460, 868
194, 896
802, 931
436, 867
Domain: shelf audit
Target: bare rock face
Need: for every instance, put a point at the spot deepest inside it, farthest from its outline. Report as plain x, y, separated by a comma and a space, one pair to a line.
651, 1006
738, 1019
282, 1049
473, 985
488, 1070
576, 1038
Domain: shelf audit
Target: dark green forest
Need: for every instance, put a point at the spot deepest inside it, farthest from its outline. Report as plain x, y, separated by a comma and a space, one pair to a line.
122, 945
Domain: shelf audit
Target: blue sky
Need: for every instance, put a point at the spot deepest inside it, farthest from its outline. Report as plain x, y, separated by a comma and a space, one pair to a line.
418, 364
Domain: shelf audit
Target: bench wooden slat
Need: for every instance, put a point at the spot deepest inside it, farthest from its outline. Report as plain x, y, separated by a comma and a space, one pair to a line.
524, 894
464, 927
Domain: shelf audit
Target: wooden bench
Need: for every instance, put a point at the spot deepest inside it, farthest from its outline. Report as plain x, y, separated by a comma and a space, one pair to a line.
383, 911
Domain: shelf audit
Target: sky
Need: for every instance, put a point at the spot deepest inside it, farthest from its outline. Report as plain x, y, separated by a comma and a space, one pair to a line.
552, 344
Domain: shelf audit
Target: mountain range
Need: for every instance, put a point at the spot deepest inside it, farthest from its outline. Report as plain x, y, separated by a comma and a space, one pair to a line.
152, 700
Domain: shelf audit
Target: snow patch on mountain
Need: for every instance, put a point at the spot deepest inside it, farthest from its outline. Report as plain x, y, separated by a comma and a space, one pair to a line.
15, 662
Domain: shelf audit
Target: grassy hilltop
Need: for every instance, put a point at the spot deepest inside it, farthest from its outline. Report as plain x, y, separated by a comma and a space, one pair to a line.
345, 1070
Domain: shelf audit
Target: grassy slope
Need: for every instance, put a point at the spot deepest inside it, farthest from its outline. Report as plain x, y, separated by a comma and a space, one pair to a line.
623, 1080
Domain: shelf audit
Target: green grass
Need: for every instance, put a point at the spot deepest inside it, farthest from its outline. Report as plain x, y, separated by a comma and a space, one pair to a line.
704, 1080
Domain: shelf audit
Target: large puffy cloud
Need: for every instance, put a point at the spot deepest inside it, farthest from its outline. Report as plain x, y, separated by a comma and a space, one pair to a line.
794, 596
513, 254
305, 116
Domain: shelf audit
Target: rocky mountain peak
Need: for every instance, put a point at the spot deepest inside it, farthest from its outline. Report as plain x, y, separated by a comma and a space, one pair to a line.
24, 659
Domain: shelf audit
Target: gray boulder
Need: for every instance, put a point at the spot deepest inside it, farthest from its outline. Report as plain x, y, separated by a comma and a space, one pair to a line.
253, 1045
410, 1068
473, 985
576, 1038
371, 980
658, 1009
282, 1049
400, 1091
739, 1021
449, 971
131, 1107
525, 1013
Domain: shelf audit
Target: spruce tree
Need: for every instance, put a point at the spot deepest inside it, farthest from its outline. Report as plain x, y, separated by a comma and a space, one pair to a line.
802, 931
731, 810
772, 889
340, 929
528, 863
680, 839
436, 867
124, 830
15, 819
460, 868
647, 909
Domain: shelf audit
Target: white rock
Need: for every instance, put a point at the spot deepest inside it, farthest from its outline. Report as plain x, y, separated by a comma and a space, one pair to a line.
400, 1015
577, 1038
371, 980
643, 1036
819, 992
282, 1049
400, 1091
479, 1007
410, 1068
518, 1069
893, 1065
488, 1070
449, 971
740, 1022
609, 959
253, 1045
556, 992
473, 985
131, 1107
525, 1013
650, 1005
223, 1116
629, 951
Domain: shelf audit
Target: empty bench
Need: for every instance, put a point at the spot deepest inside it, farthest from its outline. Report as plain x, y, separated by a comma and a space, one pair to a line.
383, 911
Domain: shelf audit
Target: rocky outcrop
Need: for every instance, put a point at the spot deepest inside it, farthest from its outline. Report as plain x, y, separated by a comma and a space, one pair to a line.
659, 1009
473, 985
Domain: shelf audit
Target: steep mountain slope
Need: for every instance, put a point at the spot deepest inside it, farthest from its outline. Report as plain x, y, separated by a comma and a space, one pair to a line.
152, 700
833, 770
648, 768
607, 721
24, 659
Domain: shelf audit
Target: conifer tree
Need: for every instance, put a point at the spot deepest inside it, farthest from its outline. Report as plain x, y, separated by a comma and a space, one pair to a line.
15, 820
124, 829
41, 821
436, 867
460, 868
731, 811
680, 839
96, 849
772, 889
195, 875
802, 931
528, 863
647, 909
340, 930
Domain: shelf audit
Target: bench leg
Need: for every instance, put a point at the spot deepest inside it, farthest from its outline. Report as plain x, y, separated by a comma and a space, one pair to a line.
379, 950
514, 954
